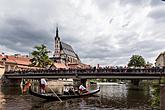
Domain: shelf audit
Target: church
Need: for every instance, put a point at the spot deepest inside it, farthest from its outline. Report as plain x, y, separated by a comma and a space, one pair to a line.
64, 52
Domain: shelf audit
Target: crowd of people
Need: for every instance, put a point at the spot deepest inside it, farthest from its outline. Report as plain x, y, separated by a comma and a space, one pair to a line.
72, 91
107, 69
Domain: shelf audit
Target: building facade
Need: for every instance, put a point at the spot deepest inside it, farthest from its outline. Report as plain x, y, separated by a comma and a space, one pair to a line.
160, 60
15, 62
64, 52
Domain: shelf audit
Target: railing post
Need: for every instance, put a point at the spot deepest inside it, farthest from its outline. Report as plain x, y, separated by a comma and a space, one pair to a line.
160, 77
76, 74
162, 97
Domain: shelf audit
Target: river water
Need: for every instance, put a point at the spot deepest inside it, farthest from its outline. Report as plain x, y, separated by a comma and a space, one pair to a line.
111, 97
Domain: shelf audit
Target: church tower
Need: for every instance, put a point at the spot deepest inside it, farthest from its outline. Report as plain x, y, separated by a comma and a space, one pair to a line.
63, 52
57, 46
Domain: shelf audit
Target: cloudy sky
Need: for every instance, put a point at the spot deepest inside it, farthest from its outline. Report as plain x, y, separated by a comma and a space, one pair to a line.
105, 32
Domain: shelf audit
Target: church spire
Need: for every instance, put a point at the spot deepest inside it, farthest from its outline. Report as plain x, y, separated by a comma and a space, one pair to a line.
57, 31
57, 36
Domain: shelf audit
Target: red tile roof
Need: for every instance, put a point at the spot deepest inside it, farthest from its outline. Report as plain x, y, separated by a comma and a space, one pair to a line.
80, 65
60, 65
20, 60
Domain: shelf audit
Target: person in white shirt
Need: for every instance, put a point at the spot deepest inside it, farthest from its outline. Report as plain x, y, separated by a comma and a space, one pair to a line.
43, 85
82, 89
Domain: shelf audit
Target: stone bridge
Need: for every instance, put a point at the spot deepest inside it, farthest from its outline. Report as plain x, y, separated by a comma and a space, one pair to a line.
151, 73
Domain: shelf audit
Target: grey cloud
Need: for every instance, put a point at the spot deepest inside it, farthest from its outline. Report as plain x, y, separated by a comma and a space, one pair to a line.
149, 45
20, 35
69, 37
127, 37
131, 2
146, 48
98, 48
155, 3
110, 61
103, 41
158, 14
106, 4
103, 4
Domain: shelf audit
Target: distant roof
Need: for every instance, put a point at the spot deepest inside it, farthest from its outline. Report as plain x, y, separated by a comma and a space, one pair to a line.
60, 65
163, 53
68, 49
20, 60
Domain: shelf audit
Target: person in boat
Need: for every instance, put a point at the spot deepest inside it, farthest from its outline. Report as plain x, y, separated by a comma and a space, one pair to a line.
71, 91
26, 86
22, 85
43, 85
66, 91
82, 89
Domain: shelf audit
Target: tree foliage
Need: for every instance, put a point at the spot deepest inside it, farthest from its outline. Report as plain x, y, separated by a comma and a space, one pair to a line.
40, 56
136, 61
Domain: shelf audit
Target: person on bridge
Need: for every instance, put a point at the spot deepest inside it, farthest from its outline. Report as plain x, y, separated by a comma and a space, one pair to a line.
43, 85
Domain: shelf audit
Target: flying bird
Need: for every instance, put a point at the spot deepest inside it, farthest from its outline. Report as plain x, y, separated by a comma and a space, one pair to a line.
110, 21
125, 25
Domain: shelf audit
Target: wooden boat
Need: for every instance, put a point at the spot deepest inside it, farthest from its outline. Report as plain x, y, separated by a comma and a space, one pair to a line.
62, 97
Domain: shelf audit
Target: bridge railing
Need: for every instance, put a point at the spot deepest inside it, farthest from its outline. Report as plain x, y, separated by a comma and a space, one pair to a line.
92, 70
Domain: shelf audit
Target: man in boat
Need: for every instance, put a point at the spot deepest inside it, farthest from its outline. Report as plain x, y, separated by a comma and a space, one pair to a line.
43, 85
26, 86
82, 89
66, 91
71, 91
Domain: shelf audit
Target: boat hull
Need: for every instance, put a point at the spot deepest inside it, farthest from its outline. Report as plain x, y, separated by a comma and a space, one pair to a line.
62, 97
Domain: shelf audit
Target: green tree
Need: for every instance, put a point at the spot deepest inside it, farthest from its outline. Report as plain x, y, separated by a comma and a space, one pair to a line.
136, 61
40, 56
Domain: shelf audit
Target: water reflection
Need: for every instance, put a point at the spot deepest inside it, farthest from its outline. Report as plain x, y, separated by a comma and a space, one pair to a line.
109, 98
11, 90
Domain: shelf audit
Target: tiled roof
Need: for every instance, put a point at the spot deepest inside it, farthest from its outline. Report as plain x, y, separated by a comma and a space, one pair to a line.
16, 59
78, 65
60, 65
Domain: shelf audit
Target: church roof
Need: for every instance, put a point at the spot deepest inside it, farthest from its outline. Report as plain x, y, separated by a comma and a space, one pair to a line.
68, 49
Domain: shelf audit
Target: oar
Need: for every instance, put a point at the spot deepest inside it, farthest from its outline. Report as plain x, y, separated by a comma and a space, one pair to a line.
55, 94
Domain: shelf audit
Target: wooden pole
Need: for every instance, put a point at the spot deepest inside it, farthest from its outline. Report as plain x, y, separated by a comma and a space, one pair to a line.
55, 94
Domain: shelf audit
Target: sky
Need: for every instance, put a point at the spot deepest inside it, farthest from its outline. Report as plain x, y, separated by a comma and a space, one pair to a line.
105, 32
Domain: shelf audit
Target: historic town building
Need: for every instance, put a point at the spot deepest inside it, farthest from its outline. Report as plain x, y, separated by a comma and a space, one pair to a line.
160, 60
15, 62
64, 52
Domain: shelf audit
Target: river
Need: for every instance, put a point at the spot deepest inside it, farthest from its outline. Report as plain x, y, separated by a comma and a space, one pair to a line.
111, 97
